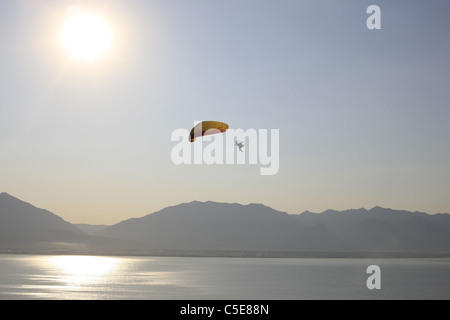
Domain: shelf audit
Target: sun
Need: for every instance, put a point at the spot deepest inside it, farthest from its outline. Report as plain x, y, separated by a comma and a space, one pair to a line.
86, 36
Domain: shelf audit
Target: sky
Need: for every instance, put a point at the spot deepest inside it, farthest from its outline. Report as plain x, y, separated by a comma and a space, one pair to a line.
362, 114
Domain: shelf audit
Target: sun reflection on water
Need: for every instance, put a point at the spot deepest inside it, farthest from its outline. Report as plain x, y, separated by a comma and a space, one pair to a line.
94, 277
79, 270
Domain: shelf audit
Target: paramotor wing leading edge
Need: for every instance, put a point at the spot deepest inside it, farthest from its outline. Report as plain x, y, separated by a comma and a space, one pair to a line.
205, 128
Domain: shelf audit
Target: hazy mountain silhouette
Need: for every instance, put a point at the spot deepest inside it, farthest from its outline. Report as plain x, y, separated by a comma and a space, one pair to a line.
25, 228
22, 222
225, 226
216, 228
385, 230
90, 228
222, 226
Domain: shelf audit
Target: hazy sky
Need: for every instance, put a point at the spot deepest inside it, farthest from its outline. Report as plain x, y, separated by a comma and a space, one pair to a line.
363, 114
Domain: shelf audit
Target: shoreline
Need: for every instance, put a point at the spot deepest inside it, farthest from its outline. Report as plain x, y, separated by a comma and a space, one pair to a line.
233, 254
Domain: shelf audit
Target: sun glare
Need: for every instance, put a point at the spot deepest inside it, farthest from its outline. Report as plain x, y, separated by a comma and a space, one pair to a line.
83, 269
86, 36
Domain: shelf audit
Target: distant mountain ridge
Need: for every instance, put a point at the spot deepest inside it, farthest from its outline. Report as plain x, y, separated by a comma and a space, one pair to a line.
25, 228
212, 227
225, 226
386, 230
22, 222
90, 228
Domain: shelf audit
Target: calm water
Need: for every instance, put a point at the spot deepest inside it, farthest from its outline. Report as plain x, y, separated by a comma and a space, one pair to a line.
95, 277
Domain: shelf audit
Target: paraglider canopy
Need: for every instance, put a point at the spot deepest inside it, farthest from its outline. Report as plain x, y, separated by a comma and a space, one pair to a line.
207, 127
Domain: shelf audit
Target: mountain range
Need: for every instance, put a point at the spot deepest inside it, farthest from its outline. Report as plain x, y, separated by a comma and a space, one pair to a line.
212, 228
25, 228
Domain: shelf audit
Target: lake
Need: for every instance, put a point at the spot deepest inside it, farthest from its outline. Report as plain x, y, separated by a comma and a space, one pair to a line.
186, 278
